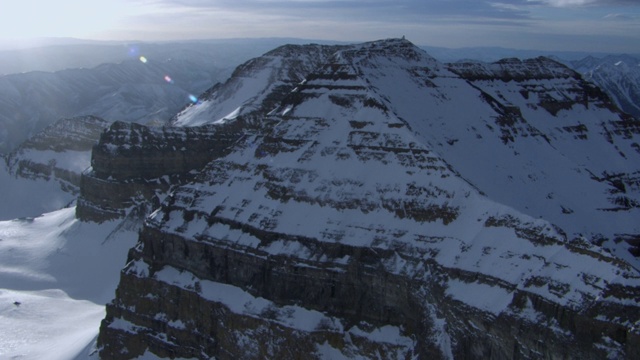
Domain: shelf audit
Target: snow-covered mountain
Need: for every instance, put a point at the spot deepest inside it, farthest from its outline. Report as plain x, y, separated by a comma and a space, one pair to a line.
618, 75
389, 205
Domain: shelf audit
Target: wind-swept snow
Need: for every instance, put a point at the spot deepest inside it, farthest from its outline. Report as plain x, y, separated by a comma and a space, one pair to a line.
253, 84
56, 274
46, 324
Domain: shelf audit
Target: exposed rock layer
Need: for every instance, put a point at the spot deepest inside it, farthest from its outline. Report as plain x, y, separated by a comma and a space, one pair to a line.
132, 164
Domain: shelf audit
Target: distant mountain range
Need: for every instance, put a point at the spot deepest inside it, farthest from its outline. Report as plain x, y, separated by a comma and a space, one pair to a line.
128, 91
53, 54
618, 75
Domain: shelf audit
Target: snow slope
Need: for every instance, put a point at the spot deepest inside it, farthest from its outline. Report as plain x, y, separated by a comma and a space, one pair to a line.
520, 150
56, 275
253, 83
23, 197
46, 324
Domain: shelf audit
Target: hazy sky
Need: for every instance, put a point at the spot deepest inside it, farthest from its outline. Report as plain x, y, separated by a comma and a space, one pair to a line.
591, 25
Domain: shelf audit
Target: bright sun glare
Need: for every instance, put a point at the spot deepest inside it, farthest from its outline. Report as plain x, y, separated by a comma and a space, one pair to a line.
24, 19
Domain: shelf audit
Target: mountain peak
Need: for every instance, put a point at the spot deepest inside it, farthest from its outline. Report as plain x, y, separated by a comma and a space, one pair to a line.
388, 43
390, 48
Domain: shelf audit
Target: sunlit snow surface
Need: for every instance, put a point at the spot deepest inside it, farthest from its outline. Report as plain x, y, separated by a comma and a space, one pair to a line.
56, 274
46, 324
231, 105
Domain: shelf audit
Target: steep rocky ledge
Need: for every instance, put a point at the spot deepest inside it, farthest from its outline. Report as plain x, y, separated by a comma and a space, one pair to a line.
370, 302
340, 231
527, 72
133, 164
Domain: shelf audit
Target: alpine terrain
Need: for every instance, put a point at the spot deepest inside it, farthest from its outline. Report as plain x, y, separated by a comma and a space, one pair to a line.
618, 75
369, 201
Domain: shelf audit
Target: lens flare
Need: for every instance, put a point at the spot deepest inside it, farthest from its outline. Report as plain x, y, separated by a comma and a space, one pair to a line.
168, 79
143, 59
133, 51
193, 98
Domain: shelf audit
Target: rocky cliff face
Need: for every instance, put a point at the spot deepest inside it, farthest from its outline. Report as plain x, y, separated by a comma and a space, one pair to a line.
399, 207
135, 165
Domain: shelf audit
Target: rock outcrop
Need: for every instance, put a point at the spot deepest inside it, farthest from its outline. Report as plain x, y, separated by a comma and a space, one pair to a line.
386, 214
135, 165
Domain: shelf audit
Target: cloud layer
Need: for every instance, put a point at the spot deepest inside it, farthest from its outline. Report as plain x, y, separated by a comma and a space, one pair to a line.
560, 24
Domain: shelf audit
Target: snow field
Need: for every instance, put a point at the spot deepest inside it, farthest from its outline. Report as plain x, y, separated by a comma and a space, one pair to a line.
46, 324
56, 274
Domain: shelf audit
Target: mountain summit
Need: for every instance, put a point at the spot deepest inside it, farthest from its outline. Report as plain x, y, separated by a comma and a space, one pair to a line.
392, 206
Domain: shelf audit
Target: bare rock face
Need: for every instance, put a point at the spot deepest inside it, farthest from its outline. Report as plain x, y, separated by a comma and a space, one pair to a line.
134, 164
354, 227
